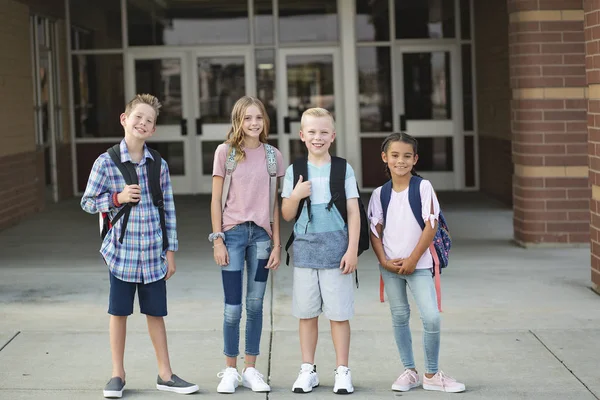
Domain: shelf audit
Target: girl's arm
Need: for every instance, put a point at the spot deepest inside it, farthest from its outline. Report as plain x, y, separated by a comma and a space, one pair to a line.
379, 252
275, 257
216, 215
410, 263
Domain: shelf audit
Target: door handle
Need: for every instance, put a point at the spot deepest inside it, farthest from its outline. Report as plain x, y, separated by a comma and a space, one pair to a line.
286, 125
183, 124
199, 126
402, 122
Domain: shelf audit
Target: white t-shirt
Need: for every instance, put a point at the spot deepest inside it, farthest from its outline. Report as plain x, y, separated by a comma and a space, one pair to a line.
402, 231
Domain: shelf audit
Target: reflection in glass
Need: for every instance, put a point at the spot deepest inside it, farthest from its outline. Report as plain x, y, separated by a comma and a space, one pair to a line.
424, 19
427, 85
173, 154
183, 22
435, 154
465, 19
375, 89
467, 84
305, 21
102, 20
263, 22
98, 93
265, 84
222, 81
310, 84
162, 78
372, 20
208, 156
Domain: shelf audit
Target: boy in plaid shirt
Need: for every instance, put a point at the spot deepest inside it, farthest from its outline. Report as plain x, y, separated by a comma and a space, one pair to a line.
138, 261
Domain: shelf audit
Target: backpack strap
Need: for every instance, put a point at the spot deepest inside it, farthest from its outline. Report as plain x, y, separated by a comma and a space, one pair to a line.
230, 165
300, 167
337, 186
153, 169
272, 169
414, 198
384, 196
130, 175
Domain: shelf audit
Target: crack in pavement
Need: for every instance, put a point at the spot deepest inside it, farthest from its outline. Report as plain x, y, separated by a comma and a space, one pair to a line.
11, 339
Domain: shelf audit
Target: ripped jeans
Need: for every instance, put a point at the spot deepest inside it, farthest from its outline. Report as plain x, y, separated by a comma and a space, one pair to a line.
249, 243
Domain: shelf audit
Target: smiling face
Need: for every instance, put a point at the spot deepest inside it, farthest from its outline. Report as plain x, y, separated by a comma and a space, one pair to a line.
400, 158
140, 123
317, 133
253, 122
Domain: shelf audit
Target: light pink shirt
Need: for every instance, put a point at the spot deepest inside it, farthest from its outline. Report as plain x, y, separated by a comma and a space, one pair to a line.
402, 231
248, 198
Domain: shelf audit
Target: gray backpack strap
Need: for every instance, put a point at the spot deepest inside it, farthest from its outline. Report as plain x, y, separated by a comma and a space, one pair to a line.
230, 165
272, 168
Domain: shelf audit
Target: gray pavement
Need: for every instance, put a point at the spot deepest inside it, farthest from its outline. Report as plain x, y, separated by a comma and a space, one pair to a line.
517, 323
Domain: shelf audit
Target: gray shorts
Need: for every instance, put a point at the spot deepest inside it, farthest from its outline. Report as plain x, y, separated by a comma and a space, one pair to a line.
323, 290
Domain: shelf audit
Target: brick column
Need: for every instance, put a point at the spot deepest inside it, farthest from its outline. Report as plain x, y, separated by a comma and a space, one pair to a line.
549, 129
592, 63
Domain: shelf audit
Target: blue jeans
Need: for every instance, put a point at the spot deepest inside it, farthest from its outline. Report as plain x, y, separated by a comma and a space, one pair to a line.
422, 287
251, 244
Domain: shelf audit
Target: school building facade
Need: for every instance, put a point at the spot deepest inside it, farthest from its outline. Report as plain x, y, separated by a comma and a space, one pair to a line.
503, 95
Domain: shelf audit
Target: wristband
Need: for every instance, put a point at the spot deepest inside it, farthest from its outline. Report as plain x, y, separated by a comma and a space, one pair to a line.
215, 235
115, 200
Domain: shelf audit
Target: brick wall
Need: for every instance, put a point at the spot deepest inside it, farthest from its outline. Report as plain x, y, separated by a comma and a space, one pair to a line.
549, 129
592, 62
493, 99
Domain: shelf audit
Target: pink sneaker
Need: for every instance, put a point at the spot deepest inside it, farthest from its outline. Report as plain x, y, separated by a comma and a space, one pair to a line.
407, 380
442, 383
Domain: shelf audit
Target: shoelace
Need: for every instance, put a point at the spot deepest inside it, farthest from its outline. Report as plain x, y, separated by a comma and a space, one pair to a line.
258, 375
411, 376
345, 371
445, 378
228, 371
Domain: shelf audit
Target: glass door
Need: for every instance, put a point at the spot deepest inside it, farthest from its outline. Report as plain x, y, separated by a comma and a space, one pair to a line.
164, 74
219, 79
306, 78
428, 106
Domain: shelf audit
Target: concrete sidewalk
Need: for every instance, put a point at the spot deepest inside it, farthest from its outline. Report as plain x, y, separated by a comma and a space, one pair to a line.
517, 323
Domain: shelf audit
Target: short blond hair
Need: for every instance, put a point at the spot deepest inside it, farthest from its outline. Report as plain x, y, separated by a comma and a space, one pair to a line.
316, 112
144, 98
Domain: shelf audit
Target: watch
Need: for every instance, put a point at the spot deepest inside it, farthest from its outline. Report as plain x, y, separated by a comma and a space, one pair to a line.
215, 235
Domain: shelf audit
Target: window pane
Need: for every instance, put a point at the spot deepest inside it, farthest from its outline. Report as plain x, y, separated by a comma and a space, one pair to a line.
373, 173
173, 154
372, 20
435, 154
469, 161
304, 21
181, 22
427, 92
265, 84
102, 21
375, 89
420, 19
222, 81
310, 84
162, 78
98, 95
467, 82
263, 22
208, 156
465, 19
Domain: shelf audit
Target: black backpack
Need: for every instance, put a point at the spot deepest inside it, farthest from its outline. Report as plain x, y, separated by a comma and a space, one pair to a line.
337, 187
128, 171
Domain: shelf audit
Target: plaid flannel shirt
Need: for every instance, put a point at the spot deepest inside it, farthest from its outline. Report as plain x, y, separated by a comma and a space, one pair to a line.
140, 258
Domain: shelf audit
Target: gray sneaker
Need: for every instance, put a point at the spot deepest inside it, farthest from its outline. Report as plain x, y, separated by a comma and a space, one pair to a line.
176, 385
114, 388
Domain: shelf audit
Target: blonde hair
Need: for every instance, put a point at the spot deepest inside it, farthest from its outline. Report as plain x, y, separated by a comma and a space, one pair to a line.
235, 136
145, 98
316, 112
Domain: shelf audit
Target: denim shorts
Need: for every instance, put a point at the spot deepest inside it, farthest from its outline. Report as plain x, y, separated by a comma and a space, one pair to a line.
152, 297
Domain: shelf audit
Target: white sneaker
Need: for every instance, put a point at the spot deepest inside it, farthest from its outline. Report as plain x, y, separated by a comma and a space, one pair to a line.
252, 379
307, 379
230, 379
343, 381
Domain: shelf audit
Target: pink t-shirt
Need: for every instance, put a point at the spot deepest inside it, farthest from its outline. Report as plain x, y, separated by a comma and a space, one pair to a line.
248, 198
402, 231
